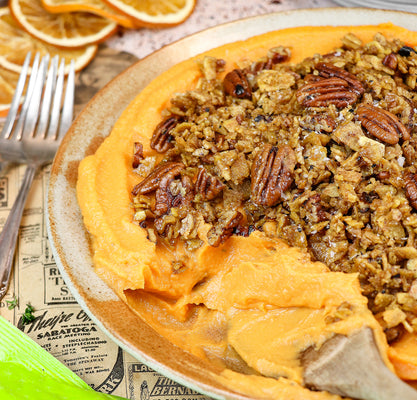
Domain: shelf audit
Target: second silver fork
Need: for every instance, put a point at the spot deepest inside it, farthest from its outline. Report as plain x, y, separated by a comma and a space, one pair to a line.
33, 138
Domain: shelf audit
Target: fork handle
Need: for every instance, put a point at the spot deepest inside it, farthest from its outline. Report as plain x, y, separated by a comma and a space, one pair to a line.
8, 236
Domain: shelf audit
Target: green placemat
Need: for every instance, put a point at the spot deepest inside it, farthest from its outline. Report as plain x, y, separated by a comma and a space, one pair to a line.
27, 371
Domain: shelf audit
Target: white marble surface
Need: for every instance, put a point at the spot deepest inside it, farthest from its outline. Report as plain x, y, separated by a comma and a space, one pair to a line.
401, 5
207, 13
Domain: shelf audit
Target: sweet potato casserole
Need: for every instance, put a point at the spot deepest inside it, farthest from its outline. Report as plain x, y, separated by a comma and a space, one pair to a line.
320, 154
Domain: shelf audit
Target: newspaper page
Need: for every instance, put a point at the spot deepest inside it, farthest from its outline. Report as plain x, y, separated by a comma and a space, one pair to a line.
60, 325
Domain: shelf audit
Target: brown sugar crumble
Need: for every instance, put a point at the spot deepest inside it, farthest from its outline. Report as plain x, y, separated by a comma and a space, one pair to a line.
320, 154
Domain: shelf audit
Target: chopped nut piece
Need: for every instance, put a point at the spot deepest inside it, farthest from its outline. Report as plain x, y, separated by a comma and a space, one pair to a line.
390, 61
137, 155
221, 232
351, 41
240, 169
224, 160
352, 136
413, 290
236, 84
211, 66
275, 56
279, 54
394, 317
274, 80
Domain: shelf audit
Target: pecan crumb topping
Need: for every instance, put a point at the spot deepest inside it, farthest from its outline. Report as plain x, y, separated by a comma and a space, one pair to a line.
321, 154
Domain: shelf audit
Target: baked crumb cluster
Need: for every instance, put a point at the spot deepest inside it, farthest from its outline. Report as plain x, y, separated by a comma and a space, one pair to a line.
320, 154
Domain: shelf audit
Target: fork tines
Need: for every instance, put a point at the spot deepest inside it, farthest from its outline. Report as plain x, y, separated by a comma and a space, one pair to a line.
40, 111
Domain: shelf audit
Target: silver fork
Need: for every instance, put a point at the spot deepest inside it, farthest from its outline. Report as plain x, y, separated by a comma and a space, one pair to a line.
33, 138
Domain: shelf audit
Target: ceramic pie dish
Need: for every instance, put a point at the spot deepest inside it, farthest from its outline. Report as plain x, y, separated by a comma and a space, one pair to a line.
68, 237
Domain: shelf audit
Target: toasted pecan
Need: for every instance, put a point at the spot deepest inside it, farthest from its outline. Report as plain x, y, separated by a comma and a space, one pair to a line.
137, 154
224, 229
161, 137
272, 174
410, 180
391, 61
208, 186
324, 92
236, 84
382, 124
330, 71
152, 181
165, 199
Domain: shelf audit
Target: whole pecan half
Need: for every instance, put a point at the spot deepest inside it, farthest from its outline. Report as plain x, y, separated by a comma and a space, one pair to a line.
164, 198
224, 229
137, 155
161, 137
153, 180
208, 186
331, 71
382, 124
323, 92
411, 188
170, 195
236, 84
272, 174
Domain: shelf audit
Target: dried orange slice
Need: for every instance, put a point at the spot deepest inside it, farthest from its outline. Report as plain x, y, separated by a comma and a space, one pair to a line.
8, 82
15, 43
62, 30
153, 13
98, 7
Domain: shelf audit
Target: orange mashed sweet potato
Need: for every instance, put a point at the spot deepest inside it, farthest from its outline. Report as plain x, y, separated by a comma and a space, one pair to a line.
253, 304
